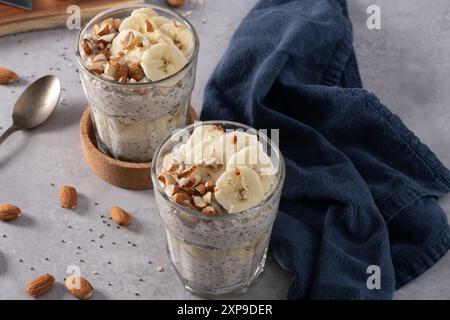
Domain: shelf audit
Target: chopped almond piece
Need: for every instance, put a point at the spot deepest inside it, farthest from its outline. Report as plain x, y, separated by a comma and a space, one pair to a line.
117, 23
181, 197
161, 178
122, 72
136, 72
106, 52
201, 189
210, 210
190, 191
148, 26
99, 57
87, 46
186, 172
109, 22
103, 30
107, 39
128, 40
207, 197
96, 28
198, 201
210, 185
170, 190
183, 182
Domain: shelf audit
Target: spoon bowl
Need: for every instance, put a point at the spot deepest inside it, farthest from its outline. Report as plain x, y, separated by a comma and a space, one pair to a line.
35, 105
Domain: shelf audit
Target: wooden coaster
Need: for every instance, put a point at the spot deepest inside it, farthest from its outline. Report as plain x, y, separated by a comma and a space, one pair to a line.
128, 175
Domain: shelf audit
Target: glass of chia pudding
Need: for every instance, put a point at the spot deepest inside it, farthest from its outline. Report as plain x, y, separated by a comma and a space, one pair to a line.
137, 67
217, 190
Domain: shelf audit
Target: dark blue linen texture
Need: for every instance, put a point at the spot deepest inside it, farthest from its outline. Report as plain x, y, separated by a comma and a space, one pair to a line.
360, 189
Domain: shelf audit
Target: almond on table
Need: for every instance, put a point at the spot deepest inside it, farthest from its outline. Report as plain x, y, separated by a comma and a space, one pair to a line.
9, 212
79, 287
175, 3
68, 197
7, 76
40, 285
120, 216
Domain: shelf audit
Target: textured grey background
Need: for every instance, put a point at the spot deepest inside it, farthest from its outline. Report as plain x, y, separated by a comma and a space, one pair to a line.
404, 64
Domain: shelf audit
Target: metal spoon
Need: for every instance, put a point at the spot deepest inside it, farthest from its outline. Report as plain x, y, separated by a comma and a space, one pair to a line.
35, 105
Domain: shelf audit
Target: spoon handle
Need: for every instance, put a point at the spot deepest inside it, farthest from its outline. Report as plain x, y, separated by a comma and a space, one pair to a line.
7, 133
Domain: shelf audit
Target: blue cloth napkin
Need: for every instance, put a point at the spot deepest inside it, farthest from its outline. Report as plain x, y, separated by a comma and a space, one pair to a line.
361, 189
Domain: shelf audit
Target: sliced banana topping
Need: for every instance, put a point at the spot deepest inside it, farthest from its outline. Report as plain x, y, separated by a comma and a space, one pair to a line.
162, 60
149, 12
128, 42
200, 145
256, 159
238, 189
159, 20
242, 182
158, 37
135, 22
231, 143
182, 37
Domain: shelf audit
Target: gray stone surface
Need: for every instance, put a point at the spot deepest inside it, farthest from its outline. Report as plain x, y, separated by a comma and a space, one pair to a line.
404, 64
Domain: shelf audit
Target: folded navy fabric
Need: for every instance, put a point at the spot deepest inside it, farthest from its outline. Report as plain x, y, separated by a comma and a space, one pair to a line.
361, 190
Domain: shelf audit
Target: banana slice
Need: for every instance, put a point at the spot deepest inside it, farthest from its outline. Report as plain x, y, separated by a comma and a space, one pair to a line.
256, 159
159, 20
162, 60
238, 189
157, 37
134, 22
149, 12
140, 22
200, 144
181, 36
233, 142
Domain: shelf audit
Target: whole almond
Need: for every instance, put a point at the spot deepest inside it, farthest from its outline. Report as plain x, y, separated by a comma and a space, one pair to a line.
9, 212
40, 285
68, 197
175, 3
120, 216
79, 287
7, 76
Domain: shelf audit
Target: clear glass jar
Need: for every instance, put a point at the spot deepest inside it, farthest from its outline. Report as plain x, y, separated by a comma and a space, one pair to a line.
131, 119
217, 254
